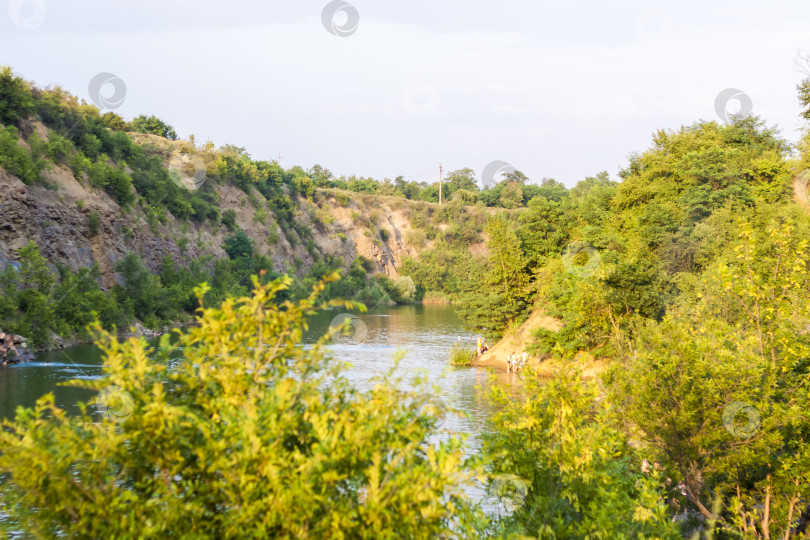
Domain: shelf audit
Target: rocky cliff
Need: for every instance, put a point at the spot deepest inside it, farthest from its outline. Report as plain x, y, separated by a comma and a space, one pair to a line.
58, 215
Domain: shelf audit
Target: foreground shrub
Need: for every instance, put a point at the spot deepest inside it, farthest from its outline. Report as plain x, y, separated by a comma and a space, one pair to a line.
563, 469
234, 430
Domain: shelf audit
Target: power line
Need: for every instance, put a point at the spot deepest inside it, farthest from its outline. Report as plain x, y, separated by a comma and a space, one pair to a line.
440, 183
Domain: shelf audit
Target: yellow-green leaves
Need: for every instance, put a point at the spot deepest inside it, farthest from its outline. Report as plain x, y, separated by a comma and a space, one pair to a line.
243, 433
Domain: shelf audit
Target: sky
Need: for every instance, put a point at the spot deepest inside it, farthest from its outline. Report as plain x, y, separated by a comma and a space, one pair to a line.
382, 89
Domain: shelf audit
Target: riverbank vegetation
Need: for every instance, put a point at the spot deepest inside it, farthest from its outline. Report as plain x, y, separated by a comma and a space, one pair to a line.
247, 434
461, 355
35, 301
137, 165
690, 276
233, 429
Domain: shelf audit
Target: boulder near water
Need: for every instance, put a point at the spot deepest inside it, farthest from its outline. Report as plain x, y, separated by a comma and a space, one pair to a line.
14, 349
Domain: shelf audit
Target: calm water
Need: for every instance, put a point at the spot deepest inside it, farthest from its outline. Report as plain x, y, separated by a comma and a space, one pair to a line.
424, 333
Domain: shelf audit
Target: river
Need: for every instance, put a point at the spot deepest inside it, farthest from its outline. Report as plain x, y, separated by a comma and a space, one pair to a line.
424, 333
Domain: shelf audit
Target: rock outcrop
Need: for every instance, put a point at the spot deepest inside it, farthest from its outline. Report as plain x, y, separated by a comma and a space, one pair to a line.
14, 349
57, 215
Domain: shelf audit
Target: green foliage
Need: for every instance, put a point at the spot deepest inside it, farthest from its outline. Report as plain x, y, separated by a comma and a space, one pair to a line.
719, 389
561, 464
140, 292
238, 245
803, 89
665, 221
59, 149
506, 296
93, 222
405, 288
229, 219
239, 439
153, 125
443, 268
16, 159
78, 300
304, 186
16, 102
461, 355
33, 303
34, 271
113, 179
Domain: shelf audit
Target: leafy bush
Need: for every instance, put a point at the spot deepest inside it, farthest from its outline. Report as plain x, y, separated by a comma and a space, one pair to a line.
588, 483
153, 125
113, 179
719, 389
229, 219
93, 222
17, 160
141, 293
461, 355
16, 101
236, 439
238, 245
58, 148
405, 288
416, 238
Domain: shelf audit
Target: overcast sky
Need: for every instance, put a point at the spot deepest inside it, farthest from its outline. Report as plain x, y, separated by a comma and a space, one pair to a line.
561, 90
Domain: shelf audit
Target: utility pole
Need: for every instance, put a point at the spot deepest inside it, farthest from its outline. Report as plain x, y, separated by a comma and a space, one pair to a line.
440, 183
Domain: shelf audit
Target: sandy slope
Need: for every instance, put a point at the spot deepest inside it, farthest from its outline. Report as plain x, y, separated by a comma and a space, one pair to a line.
516, 339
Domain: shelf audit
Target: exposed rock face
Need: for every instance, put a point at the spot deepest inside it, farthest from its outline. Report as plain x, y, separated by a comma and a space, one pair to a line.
57, 219
56, 215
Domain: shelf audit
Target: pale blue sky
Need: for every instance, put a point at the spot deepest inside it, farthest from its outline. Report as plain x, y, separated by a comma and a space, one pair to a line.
557, 90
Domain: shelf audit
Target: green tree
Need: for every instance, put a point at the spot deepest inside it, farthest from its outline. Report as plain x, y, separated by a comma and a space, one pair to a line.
15, 159
153, 125
544, 232
34, 270
238, 245
719, 390
506, 296
141, 292
16, 101
562, 467
235, 430
229, 218
304, 186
